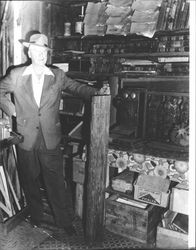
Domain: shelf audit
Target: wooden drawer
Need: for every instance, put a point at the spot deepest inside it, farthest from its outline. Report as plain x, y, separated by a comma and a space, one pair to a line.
169, 239
133, 222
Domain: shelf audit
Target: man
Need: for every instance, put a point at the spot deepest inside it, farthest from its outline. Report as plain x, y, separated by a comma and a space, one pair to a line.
37, 92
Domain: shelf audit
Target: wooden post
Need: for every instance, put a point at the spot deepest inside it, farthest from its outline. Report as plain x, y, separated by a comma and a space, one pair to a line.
96, 168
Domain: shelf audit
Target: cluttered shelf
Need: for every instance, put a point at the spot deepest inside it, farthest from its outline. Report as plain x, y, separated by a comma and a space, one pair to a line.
149, 147
150, 158
135, 199
127, 37
162, 44
103, 48
89, 76
137, 76
143, 55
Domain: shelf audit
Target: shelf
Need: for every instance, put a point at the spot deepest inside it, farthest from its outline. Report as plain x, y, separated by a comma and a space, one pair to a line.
172, 32
142, 55
68, 37
129, 36
155, 149
89, 76
70, 113
154, 54
134, 77
158, 78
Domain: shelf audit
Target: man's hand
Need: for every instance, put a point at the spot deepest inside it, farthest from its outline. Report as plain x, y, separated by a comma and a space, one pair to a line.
105, 90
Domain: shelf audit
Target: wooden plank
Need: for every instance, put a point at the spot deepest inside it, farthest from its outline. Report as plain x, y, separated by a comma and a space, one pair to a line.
97, 165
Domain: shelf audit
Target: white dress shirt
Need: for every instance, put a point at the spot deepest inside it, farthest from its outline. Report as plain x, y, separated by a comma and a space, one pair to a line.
37, 84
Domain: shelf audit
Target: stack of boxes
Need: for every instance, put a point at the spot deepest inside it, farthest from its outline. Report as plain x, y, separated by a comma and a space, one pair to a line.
140, 215
173, 232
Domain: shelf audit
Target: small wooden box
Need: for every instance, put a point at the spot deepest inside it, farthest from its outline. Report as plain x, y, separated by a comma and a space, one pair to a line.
132, 222
170, 239
78, 170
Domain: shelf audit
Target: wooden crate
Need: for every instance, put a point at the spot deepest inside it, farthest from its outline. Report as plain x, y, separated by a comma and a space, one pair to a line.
132, 222
11, 223
169, 239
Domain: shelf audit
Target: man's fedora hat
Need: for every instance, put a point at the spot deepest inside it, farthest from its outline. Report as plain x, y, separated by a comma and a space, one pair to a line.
40, 40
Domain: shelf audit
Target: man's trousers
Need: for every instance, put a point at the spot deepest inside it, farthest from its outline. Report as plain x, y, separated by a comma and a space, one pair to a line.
48, 163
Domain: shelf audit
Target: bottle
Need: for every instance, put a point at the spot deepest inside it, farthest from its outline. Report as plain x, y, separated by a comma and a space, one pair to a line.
79, 22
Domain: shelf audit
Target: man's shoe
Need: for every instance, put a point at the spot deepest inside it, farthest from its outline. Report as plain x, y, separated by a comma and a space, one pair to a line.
70, 230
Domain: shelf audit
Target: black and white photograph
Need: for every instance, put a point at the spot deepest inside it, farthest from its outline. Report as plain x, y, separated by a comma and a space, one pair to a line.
97, 124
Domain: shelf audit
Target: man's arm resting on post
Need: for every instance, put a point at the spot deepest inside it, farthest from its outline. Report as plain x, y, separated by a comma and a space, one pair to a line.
81, 90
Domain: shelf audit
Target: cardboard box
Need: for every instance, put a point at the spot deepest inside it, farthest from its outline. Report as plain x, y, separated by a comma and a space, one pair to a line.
152, 189
138, 224
170, 239
78, 170
179, 200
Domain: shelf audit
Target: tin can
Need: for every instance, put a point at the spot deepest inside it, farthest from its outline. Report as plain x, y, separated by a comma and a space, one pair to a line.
79, 27
67, 29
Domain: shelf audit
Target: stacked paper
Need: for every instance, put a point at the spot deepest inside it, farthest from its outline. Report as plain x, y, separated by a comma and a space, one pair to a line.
95, 19
145, 17
119, 13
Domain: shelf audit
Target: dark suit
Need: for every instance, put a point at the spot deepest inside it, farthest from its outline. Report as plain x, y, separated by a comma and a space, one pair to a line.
41, 128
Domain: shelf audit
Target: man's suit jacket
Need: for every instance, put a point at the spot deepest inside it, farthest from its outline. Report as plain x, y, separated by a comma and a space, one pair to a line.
28, 115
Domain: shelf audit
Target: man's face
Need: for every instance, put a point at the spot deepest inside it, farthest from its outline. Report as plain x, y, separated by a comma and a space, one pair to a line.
38, 55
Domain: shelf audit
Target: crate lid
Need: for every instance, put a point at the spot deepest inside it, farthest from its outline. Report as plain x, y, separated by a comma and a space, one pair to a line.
155, 183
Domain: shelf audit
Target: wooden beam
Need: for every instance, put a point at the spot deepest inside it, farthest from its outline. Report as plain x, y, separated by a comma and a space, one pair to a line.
96, 168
